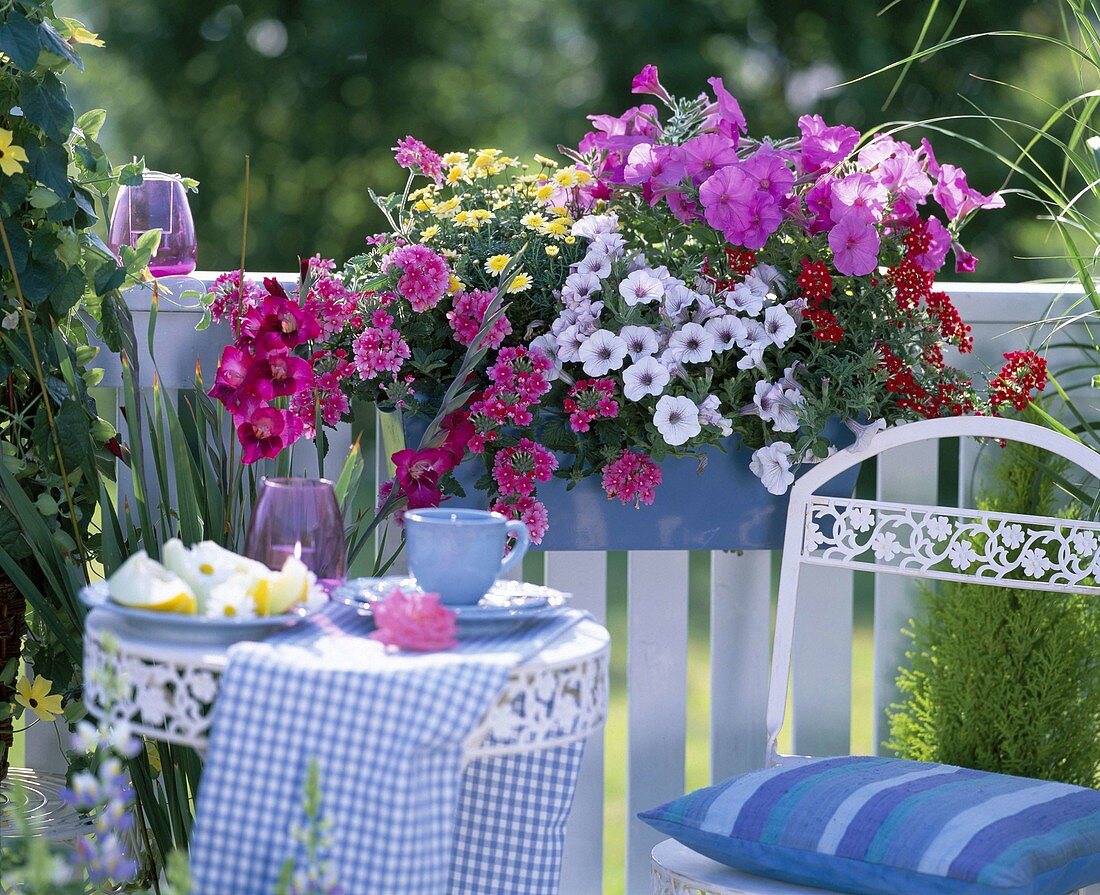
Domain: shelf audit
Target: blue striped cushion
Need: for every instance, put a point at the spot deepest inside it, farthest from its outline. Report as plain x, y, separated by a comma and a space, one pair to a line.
882, 826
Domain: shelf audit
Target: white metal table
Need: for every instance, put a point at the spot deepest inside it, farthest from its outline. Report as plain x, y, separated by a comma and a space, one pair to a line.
167, 691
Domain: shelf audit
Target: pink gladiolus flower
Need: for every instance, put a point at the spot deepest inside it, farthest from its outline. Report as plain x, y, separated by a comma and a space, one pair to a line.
459, 431
647, 81
824, 146
263, 434
855, 245
415, 621
419, 472
275, 372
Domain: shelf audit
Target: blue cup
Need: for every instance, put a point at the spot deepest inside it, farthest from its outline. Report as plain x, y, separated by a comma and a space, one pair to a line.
458, 553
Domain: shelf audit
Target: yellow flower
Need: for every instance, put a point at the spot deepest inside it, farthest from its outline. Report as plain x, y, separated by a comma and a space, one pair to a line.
73, 30
36, 696
534, 220
429, 232
455, 285
486, 157
520, 283
503, 203
561, 211
548, 162
497, 263
11, 157
552, 251
566, 177
544, 192
456, 173
569, 240
446, 209
583, 177
557, 228
424, 205
455, 158
482, 214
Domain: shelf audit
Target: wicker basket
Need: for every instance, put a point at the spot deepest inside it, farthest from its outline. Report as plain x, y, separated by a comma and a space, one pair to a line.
12, 610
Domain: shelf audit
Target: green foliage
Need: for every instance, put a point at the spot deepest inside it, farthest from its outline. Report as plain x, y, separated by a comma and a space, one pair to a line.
1004, 680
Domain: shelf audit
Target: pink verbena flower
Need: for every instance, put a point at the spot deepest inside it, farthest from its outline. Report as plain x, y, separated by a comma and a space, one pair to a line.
469, 314
517, 469
632, 478
424, 275
414, 155
529, 511
380, 348
228, 301
589, 400
416, 621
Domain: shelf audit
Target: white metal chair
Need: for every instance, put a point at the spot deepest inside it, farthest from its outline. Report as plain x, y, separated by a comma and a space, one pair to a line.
930, 542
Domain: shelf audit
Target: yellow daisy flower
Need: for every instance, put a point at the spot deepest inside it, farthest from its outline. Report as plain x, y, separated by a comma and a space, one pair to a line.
502, 203
446, 209
456, 174
429, 232
520, 283
569, 240
583, 177
36, 696
544, 192
455, 158
557, 228
424, 205
496, 264
561, 211
482, 214
533, 220
566, 177
552, 251
548, 162
455, 285
486, 157
12, 157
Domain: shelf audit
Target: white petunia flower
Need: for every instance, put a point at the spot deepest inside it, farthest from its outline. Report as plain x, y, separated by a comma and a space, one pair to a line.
726, 330
772, 465
602, 352
579, 286
678, 299
864, 432
547, 345
742, 299
692, 344
775, 406
570, 341
779, 325
611, 244
232, 599
641, 287
641, 341
595, 263
711, 415
593, 225
772, 277
677, 419
646, 377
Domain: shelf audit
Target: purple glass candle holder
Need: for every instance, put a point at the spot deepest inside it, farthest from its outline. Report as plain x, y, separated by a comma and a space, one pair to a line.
299, 517
159, 202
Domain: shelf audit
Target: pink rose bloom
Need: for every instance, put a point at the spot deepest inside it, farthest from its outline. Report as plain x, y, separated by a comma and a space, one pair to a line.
855, 245
414, 622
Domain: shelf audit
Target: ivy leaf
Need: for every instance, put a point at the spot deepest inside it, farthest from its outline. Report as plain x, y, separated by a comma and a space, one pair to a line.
131, 174
91, 122
52, 42
19, 39
44, 103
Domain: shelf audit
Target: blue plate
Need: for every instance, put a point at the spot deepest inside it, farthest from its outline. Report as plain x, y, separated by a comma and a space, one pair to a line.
192, 629
506, 604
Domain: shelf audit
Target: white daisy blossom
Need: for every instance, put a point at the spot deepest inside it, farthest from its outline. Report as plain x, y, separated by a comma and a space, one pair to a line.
580, 286
641, 341
692, 344
547, 345
595, 263
570, 341
602, 352
772, 465
726, 331
710, 415
231, 599
779, 325
646, 377
677, 419
742, 299
641, 287
593, 225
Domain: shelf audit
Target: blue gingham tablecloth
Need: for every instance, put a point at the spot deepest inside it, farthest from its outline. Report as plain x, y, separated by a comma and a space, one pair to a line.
386, 730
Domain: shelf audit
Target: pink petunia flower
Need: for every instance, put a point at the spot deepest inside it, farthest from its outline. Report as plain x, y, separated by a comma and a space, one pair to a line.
729, 120
823, 146
706, 153
416, 621
648, 81
855, 244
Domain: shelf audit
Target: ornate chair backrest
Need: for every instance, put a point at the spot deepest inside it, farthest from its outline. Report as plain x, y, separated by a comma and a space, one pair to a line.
930, 542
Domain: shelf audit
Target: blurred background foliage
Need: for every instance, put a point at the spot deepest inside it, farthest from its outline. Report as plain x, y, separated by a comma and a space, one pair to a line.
318, 90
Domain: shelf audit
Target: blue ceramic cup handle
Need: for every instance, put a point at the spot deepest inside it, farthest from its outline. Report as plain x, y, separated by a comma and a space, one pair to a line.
523, 541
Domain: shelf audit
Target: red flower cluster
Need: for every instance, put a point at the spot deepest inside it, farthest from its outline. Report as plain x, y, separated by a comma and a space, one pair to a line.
632, 478
815, 284
951, 324
265, 365
911, 284
1023, 373
590, 399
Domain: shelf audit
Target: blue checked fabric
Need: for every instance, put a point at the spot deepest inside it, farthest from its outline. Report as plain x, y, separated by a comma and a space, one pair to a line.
386, 731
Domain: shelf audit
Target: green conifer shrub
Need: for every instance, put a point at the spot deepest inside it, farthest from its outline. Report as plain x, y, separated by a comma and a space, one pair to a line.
1004, 680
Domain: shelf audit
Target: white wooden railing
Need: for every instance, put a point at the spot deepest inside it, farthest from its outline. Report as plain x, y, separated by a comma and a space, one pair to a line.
656, 637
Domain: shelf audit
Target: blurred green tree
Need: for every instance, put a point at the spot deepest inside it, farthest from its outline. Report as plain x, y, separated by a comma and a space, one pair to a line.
318, 90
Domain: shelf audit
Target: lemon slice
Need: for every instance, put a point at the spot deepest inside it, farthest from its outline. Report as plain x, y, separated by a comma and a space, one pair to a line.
288, 587
143, 583
206, 565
